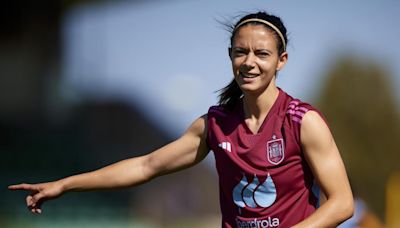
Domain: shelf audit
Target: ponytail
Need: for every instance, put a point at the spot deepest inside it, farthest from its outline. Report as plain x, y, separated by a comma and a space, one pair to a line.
230, 95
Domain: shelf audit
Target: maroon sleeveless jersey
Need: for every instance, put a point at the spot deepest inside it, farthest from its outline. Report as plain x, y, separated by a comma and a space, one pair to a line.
264, 179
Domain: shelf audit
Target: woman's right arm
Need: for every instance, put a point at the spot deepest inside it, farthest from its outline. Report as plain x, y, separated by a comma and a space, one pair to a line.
184, 152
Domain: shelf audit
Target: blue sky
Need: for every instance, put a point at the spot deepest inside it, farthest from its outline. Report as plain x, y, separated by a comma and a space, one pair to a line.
170, 57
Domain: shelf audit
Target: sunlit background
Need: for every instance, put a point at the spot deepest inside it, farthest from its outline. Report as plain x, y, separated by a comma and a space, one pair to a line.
87, 83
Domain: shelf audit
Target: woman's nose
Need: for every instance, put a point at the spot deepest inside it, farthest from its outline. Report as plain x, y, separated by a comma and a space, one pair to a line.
249, 62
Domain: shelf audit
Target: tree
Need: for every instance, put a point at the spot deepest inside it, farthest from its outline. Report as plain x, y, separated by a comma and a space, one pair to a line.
360, 106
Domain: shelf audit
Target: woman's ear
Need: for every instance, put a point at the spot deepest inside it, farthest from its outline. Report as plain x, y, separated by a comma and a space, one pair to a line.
282, 60
230, 52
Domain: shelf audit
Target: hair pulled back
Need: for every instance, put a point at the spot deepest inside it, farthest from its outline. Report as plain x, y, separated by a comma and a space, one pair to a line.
230, 94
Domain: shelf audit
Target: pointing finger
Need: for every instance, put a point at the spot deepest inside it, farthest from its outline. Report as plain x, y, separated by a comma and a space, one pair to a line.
23, 187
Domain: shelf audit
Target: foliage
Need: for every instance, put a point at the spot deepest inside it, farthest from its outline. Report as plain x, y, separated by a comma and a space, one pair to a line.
360, 106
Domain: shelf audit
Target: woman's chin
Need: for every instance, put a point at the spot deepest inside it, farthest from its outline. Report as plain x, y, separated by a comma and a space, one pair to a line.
253, 88
248, 88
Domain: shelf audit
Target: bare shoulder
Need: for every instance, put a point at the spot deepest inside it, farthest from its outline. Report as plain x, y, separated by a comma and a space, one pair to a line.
314, 129
312, 119
198, 127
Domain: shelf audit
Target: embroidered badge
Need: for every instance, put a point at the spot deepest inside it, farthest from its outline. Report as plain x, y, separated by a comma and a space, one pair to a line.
275, 150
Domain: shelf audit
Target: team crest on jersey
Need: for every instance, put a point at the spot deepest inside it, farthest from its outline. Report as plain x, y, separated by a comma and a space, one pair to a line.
275, 150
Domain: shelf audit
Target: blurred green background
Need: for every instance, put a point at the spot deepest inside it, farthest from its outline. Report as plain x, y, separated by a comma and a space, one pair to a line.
51, 127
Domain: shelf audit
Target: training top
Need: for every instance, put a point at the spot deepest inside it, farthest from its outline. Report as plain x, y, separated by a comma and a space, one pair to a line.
264, 179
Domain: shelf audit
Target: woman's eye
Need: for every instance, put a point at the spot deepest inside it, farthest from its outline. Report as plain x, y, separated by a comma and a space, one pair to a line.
239, 53
263, 54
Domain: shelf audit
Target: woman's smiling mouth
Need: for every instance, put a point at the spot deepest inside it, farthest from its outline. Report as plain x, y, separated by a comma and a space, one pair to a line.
244, 75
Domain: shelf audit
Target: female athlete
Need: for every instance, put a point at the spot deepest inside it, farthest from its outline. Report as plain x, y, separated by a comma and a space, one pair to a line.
274, 154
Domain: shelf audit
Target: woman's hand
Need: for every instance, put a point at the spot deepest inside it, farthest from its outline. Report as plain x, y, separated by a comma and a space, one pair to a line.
39, 193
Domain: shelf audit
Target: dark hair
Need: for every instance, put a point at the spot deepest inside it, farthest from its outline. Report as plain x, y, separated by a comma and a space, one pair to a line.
230, 94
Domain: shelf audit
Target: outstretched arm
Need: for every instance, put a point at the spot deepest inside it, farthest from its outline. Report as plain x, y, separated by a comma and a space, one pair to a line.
326, 163
184, 152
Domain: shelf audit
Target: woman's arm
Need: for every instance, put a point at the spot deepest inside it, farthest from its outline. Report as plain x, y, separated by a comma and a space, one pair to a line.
327, 166
184, 152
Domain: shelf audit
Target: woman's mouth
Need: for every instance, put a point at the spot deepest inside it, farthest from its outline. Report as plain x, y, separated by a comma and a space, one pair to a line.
247, 75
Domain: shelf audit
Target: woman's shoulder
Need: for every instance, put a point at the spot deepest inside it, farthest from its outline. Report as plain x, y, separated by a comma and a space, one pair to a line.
296, 108
221, 110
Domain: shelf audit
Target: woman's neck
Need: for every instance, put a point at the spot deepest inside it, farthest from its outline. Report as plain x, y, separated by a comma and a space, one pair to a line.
257, 106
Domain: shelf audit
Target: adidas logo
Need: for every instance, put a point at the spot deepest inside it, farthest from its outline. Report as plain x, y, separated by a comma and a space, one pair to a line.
226, 146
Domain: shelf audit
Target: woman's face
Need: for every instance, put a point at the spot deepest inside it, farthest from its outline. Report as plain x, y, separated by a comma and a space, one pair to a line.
255, 58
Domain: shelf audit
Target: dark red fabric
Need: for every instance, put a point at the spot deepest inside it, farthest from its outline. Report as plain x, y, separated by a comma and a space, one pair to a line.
264, 179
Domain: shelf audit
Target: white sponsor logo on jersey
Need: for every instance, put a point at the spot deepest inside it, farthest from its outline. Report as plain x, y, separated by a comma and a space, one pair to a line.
254, 194
264, 223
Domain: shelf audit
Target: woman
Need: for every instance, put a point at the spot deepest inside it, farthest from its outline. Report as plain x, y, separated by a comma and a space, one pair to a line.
270, 149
